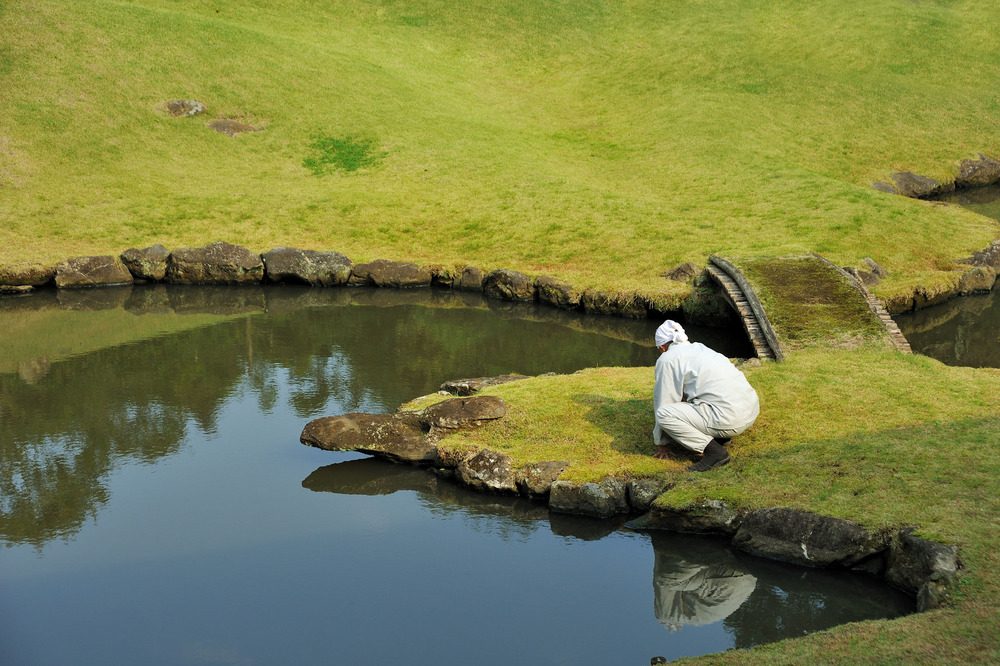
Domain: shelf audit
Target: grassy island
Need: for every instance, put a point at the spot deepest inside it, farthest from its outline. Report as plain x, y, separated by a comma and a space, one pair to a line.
598, 142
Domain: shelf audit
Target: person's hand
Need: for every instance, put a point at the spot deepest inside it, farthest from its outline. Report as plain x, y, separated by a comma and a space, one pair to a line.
663, 453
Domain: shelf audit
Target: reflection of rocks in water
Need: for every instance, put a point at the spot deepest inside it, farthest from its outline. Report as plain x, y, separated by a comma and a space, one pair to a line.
148, 299
974, 196
583, 528
33, 369
371, 476
697, 582
219, 300
98, 298
289, 299
962, 331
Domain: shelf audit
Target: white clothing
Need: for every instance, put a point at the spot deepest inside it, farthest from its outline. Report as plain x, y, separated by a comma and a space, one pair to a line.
699, 395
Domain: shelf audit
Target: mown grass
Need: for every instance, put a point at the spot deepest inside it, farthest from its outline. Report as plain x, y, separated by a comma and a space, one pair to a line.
599, 142
870, 435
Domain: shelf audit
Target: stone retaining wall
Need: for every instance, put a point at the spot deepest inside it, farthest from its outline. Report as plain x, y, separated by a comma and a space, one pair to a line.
222, 263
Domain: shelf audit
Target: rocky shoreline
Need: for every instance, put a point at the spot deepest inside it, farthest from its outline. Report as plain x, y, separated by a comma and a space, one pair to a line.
416, 435
223, 263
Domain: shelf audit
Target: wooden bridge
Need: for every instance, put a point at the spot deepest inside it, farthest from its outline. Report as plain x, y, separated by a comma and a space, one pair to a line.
825, 298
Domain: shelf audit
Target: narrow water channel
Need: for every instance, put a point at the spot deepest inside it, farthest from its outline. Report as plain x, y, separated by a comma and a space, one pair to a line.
156, 506
964, 331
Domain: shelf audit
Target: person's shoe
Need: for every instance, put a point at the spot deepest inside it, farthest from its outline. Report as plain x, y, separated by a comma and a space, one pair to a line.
713, 456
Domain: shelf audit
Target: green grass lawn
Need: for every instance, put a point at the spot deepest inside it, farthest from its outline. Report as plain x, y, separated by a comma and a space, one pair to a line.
600, 142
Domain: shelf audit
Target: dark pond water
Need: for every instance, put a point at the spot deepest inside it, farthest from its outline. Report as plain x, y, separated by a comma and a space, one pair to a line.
982, 200
964, 331
156, 506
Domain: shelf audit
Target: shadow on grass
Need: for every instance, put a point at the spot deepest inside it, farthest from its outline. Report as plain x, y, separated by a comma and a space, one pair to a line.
629, 423
941, 476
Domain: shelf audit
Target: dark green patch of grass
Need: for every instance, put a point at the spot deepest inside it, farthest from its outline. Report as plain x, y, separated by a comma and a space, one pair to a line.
347, 154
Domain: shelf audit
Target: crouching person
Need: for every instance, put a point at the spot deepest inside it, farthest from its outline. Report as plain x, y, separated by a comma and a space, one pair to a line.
700, 399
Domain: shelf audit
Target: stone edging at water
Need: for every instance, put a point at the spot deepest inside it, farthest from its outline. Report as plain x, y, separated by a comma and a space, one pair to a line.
925, 569
223, 263
971, 173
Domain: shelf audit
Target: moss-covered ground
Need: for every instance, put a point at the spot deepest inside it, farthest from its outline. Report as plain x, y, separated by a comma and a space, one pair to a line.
601, 142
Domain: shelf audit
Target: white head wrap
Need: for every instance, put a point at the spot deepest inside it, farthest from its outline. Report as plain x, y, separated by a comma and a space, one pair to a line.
670, 331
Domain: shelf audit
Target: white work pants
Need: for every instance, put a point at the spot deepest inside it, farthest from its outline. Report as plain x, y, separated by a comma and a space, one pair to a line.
684, 423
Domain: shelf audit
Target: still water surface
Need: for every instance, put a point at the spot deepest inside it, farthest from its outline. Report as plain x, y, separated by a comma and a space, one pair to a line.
964, 331
156, 506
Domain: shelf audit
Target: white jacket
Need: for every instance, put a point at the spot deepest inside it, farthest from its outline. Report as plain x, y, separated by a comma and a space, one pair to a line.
691, 372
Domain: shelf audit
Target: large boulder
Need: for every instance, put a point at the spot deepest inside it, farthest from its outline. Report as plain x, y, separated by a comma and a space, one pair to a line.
507, 285
409, 436
26, 275
987, 258
979, 172
385, 273
806, 538
148, 263
926, 569
918, 187
215, 263
475, 384
557, 294
92, 272
977, 280
462, 413
536, 479
641, 492
471, 279
312, 267
394, 436
685, 272
488, 471
709, 517
600, 500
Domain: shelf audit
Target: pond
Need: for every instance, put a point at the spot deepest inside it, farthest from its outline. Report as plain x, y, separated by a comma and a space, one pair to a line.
156, 506
982, 200
964, 331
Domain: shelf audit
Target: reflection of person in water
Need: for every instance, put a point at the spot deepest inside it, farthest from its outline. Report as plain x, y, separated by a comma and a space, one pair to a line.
697, 592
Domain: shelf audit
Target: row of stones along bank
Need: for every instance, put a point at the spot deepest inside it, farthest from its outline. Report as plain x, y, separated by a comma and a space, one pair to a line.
222, 263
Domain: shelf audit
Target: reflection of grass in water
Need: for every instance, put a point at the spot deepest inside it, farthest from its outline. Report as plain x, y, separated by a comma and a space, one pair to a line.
53, 334
982, 200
